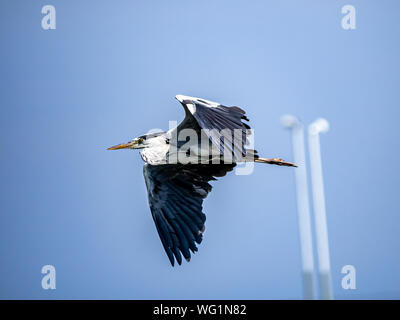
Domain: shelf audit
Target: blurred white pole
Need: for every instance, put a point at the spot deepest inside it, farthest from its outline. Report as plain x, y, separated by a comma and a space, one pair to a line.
303, 205
321, 230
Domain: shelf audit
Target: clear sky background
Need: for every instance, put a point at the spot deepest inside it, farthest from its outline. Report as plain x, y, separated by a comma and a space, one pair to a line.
109, 73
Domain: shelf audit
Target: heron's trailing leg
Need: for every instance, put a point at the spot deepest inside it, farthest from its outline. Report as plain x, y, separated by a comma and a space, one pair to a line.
276, 161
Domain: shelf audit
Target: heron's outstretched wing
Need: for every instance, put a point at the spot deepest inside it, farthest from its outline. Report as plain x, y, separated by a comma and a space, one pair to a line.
176, 194
204, 114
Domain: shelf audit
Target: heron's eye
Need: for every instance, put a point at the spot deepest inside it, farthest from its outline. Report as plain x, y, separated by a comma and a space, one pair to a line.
140, 141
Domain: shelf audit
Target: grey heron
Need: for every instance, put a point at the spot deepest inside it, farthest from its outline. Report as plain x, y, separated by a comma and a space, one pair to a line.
178, 170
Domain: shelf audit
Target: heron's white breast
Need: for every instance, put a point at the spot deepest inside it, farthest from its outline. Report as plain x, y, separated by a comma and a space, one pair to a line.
155, 152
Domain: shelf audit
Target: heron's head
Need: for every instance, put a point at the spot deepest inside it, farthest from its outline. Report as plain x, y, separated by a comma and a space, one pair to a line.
141, 142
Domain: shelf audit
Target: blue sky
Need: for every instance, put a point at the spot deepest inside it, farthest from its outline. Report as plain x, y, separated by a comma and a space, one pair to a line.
109, 72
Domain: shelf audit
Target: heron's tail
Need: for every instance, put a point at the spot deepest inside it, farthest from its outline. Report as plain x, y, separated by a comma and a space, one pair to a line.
276, 161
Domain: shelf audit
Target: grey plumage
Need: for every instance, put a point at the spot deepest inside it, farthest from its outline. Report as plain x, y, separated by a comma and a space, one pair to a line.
176, 190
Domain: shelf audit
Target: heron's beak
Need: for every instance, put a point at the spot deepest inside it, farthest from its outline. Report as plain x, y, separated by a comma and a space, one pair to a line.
128, 145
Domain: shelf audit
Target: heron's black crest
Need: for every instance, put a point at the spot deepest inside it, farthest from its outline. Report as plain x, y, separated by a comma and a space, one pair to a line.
151, 135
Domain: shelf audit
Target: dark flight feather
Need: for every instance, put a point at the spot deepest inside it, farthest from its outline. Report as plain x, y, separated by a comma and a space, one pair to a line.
176, 194
219, 117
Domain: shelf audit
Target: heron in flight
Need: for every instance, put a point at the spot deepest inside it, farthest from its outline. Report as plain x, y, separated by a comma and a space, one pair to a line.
178, 170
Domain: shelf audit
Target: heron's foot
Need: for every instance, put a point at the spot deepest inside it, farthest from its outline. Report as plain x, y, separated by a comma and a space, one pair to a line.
281, 162
276, 161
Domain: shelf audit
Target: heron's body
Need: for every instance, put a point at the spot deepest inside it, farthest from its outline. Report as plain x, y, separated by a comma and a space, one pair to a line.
178, 170
164, 148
